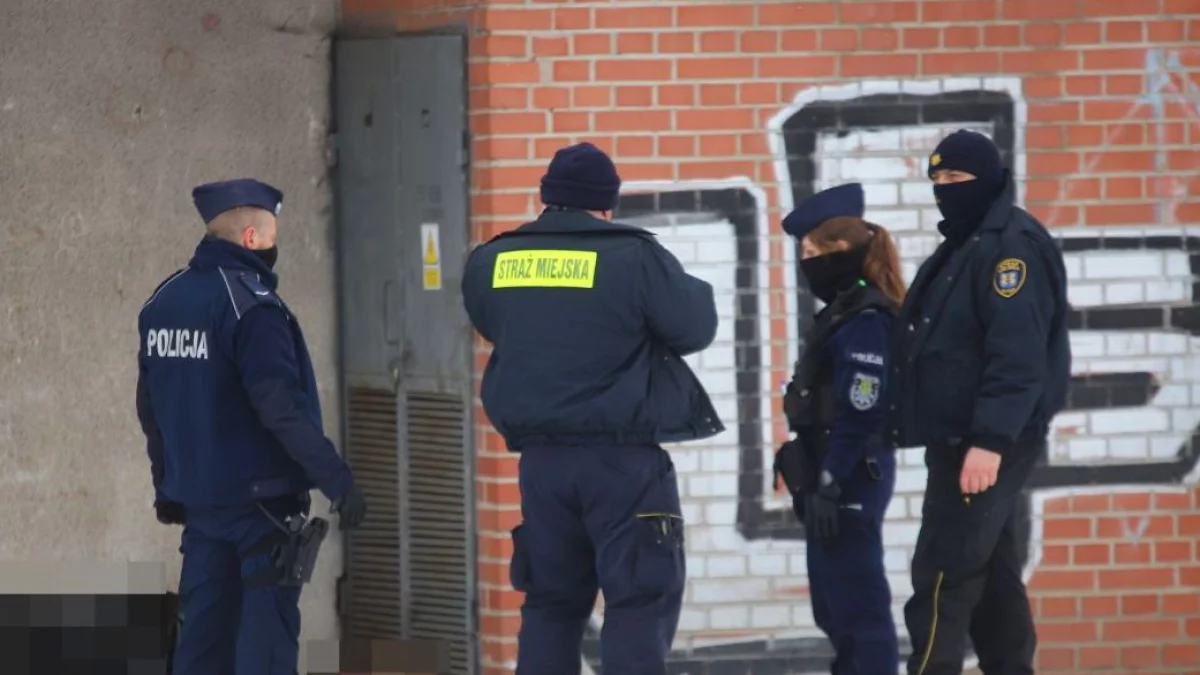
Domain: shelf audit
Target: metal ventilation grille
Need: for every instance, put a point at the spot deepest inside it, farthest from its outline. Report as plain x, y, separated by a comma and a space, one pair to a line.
437, 553
373, 606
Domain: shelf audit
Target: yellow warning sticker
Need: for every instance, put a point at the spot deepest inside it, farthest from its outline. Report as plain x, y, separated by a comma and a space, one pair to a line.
545, 269
431, 257
432, 279
431, 252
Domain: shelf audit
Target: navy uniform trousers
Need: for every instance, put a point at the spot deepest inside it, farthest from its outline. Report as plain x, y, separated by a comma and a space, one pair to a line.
229, 629
598, 518
966, 570
847, 581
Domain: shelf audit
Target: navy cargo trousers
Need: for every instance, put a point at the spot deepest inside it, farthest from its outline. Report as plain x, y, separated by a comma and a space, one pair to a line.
598, 518
847, 580
233, 625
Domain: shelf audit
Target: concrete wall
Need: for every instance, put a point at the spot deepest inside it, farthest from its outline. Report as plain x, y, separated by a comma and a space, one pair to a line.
110, 112
1096, 103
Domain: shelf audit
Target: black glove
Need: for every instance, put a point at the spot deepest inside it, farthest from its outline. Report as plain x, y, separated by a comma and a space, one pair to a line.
821, 510
351, 509
170, 513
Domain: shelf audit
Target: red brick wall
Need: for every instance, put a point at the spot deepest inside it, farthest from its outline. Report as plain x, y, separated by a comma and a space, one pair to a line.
1105, 97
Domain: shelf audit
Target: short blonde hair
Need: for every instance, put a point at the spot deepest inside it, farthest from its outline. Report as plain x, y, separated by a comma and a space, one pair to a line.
232, 223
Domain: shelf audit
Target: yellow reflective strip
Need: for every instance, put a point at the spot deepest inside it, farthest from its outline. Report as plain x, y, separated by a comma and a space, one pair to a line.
544, 269
937, 592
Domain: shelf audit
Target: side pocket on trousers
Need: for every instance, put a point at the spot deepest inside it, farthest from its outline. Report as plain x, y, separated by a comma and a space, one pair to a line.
519, 573
959, 539
660, 565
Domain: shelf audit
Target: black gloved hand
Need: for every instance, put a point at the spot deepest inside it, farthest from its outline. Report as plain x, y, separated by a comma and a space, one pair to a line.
170, 513
351, 509
821, 510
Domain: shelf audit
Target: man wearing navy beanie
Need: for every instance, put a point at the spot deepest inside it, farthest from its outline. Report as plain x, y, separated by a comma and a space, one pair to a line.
983, 365
581, 177
590, 321
968, 177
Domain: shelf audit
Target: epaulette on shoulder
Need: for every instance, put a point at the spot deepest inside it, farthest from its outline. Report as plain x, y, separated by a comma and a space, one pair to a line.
162, 285
246, 291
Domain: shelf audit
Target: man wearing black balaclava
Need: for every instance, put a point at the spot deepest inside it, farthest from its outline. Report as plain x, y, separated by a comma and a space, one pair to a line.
982, 363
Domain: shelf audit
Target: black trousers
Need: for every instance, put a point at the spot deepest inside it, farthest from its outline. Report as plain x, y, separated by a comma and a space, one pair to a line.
966, 571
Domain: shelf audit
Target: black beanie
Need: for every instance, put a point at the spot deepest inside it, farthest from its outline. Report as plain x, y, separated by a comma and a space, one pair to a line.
581, 177
972, 152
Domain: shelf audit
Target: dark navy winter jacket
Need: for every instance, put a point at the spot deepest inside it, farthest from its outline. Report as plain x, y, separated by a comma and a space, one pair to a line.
589, 321
982, 351
226, 394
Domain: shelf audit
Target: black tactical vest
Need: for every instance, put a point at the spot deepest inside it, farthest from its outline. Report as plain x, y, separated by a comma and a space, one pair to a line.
808, 400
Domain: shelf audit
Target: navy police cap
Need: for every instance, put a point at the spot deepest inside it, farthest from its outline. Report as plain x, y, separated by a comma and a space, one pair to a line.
840, 200
213, 199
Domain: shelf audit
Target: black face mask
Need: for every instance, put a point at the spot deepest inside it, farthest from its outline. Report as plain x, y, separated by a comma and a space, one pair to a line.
267, 255
963, 205
833, 273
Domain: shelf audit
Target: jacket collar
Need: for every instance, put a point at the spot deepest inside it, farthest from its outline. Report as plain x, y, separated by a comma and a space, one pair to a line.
997, 215
574, 222
858, 295
212, 253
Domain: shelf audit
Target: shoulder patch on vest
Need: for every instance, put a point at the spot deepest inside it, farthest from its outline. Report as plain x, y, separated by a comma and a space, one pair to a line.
1009, 277
864, 391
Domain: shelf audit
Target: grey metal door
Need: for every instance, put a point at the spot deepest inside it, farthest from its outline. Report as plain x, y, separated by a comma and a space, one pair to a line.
406, 343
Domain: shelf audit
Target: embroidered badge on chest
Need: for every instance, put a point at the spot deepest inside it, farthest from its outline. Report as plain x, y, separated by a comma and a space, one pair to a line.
1009, 277
864, 391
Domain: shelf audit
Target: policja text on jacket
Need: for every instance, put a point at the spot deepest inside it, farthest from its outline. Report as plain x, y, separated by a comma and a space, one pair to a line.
227, 400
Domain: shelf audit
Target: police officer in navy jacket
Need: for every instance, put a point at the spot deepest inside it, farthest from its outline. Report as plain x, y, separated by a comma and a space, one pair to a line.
982, 364
835, 404
227, 399
589, 321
